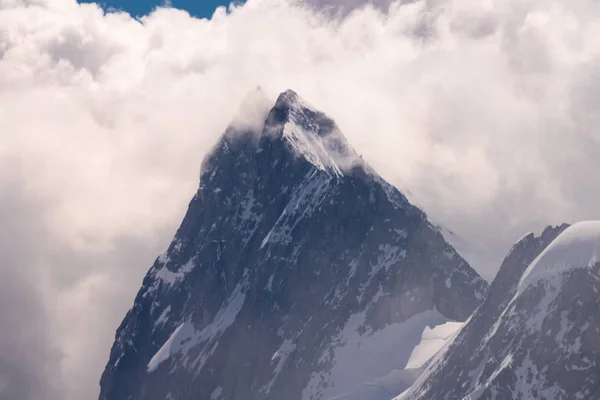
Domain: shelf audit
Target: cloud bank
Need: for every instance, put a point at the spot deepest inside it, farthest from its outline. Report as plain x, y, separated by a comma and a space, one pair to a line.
487, 113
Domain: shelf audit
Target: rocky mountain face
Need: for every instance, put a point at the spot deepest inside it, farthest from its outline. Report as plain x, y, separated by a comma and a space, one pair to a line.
296, 273
537, 333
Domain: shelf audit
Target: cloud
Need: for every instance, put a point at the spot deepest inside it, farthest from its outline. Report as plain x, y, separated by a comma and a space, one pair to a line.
28, 353
486, 113
341, 8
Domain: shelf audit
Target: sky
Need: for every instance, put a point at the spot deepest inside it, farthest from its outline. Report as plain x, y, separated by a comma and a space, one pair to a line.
484, 113
196, 8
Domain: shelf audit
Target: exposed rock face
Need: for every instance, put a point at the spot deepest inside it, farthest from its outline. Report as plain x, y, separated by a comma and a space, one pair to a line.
537, 333
296, 273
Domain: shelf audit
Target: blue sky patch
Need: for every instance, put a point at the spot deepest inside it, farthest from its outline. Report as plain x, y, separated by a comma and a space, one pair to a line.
197, 8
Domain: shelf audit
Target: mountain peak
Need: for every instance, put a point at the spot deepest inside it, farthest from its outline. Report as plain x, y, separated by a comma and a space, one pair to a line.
291, 100
577, 247
533, 338
284, 271
311, 134
289, 97
290, 126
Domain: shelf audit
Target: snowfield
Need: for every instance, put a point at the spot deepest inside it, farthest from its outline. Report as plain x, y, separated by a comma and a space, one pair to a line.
577, 247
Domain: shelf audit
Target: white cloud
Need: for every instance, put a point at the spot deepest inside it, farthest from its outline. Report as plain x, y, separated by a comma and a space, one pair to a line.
486, 112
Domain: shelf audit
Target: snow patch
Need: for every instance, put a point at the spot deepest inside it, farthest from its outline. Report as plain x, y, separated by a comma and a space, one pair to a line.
280, 356
302, 205
310, 146
216, 394
269, 286
576, 247
432, 340
531, 384
328, 151
185, 337
401, 233
379, 353
389, 256
164, 317
392, 193
353, 266
173, 345
170, 278
163, 257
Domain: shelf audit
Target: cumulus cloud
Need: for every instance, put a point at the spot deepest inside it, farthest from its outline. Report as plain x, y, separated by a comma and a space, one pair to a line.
486, 113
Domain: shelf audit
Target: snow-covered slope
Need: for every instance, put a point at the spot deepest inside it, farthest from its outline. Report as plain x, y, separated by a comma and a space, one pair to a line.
296, 273
542, 341
577, 247
432, 341
398, 380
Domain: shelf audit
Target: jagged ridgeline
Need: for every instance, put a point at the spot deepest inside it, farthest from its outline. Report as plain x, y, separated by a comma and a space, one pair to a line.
297, 273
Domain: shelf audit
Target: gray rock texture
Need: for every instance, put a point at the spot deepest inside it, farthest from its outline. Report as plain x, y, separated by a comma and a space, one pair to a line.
292, 255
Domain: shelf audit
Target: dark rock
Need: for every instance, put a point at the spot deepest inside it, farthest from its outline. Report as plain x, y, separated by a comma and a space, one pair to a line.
291, 244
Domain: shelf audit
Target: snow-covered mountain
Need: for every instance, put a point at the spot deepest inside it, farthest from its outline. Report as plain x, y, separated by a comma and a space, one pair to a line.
537, 333
297, 273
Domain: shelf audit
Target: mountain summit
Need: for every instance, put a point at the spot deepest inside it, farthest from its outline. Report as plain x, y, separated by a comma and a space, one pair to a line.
297, 273
537, 333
